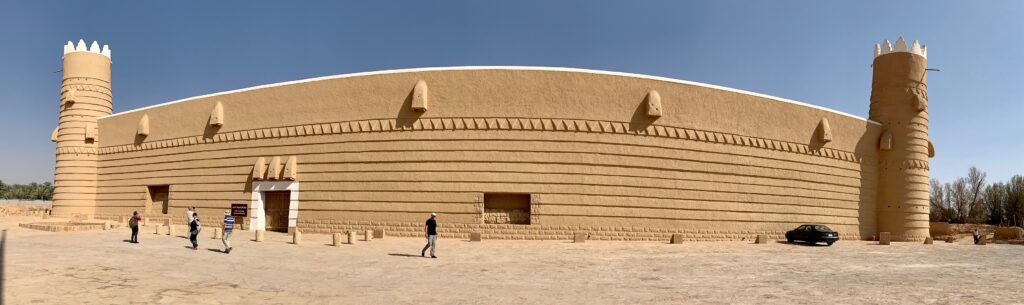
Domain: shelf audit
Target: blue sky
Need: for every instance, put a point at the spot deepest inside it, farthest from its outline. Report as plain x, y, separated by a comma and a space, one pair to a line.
818, 52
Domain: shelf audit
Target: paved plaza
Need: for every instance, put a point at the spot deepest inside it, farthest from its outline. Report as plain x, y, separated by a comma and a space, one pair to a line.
99, 267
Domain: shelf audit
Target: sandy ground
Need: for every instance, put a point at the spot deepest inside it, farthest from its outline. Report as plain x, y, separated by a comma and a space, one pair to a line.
99, 267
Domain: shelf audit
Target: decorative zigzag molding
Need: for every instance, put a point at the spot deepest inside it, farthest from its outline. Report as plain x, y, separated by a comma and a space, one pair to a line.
389, 125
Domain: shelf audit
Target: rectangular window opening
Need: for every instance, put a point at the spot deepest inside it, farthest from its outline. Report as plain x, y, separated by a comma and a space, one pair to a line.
159, 198
506, 208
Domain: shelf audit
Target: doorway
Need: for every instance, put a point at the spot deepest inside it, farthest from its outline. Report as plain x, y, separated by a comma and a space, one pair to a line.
276, 209
159, 198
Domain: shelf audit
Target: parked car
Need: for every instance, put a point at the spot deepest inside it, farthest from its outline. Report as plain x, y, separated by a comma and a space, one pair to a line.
813, 233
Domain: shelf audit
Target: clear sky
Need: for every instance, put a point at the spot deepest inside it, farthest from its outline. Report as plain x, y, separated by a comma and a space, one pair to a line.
818, 52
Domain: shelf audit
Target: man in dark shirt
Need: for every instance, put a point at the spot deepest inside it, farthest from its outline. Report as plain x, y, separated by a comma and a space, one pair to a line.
431, 230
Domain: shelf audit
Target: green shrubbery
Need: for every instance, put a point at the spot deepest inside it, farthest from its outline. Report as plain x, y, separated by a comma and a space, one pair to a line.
31, 191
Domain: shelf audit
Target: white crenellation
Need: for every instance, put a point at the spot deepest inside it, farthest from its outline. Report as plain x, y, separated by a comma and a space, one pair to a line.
901, 46
81, 47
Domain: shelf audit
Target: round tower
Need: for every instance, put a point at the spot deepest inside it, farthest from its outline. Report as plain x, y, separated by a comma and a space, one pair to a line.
899, 101
84, 96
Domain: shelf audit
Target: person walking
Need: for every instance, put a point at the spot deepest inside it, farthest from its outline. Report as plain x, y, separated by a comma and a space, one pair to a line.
189, 214
194, 227
229, 225
431, 230
977, 235
134, 224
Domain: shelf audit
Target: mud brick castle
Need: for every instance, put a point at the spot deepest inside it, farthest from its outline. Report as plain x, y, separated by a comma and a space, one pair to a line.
510, 152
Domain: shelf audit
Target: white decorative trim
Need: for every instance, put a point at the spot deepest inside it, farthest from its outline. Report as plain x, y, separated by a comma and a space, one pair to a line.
901, 46
95, 48
463, 68
256, 206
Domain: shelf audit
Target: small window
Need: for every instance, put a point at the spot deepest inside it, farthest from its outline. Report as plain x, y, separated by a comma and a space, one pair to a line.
505, 208
159, 198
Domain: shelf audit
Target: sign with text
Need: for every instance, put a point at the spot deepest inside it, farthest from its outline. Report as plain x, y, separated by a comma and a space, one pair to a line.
239, 209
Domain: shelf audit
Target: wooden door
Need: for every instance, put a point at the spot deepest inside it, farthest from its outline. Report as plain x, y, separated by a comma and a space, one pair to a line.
276, 208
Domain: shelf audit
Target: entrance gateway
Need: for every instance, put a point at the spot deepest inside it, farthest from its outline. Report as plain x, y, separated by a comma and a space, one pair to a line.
274, 205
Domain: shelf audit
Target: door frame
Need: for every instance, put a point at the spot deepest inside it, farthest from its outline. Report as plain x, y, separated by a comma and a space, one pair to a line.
257, 210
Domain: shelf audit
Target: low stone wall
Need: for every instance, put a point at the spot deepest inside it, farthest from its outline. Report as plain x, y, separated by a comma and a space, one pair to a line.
24, 207
1009, 233
63, 226
535, 232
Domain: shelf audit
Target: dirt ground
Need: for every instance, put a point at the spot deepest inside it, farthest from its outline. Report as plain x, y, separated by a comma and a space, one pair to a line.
99, 267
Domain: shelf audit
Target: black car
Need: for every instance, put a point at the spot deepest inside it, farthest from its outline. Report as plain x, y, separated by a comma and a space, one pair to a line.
811, 233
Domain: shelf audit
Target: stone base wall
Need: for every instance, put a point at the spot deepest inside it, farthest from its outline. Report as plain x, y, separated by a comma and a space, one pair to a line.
536, 232
506, 216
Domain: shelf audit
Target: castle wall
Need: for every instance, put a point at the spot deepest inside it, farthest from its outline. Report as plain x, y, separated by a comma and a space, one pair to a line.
716, 165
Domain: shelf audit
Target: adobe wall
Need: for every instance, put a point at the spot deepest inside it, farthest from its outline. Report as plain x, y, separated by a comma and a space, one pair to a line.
716, 165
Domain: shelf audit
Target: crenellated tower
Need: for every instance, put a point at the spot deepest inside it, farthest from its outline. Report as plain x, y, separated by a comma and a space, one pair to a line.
84, 96
899, 101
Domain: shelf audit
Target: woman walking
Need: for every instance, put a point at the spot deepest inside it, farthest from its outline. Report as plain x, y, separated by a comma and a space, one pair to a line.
194, 227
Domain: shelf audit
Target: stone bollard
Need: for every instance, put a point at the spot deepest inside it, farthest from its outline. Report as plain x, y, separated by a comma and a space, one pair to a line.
475, 236
351, 237
761, 239
883, 238
337, 239
368, 235
378, 233
170, 230
259, 235
928, 240
296, 237
217, 233
578, 237
156, 230
950, 239
677, 239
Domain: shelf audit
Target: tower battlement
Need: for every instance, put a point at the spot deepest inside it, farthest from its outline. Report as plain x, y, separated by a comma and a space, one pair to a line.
94, 48
901, 46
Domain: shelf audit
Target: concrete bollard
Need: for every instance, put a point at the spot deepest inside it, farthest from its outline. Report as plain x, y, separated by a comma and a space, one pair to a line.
170, 230
475, 236
156, 230
368, 235
336, 239
217, 233
676, 239
761, 239
296, 237
351, 237
378, 233
928, 240
884, 238
259, 235
578, 237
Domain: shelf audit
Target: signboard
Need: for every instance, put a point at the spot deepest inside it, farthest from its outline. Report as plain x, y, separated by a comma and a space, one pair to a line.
239, 209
